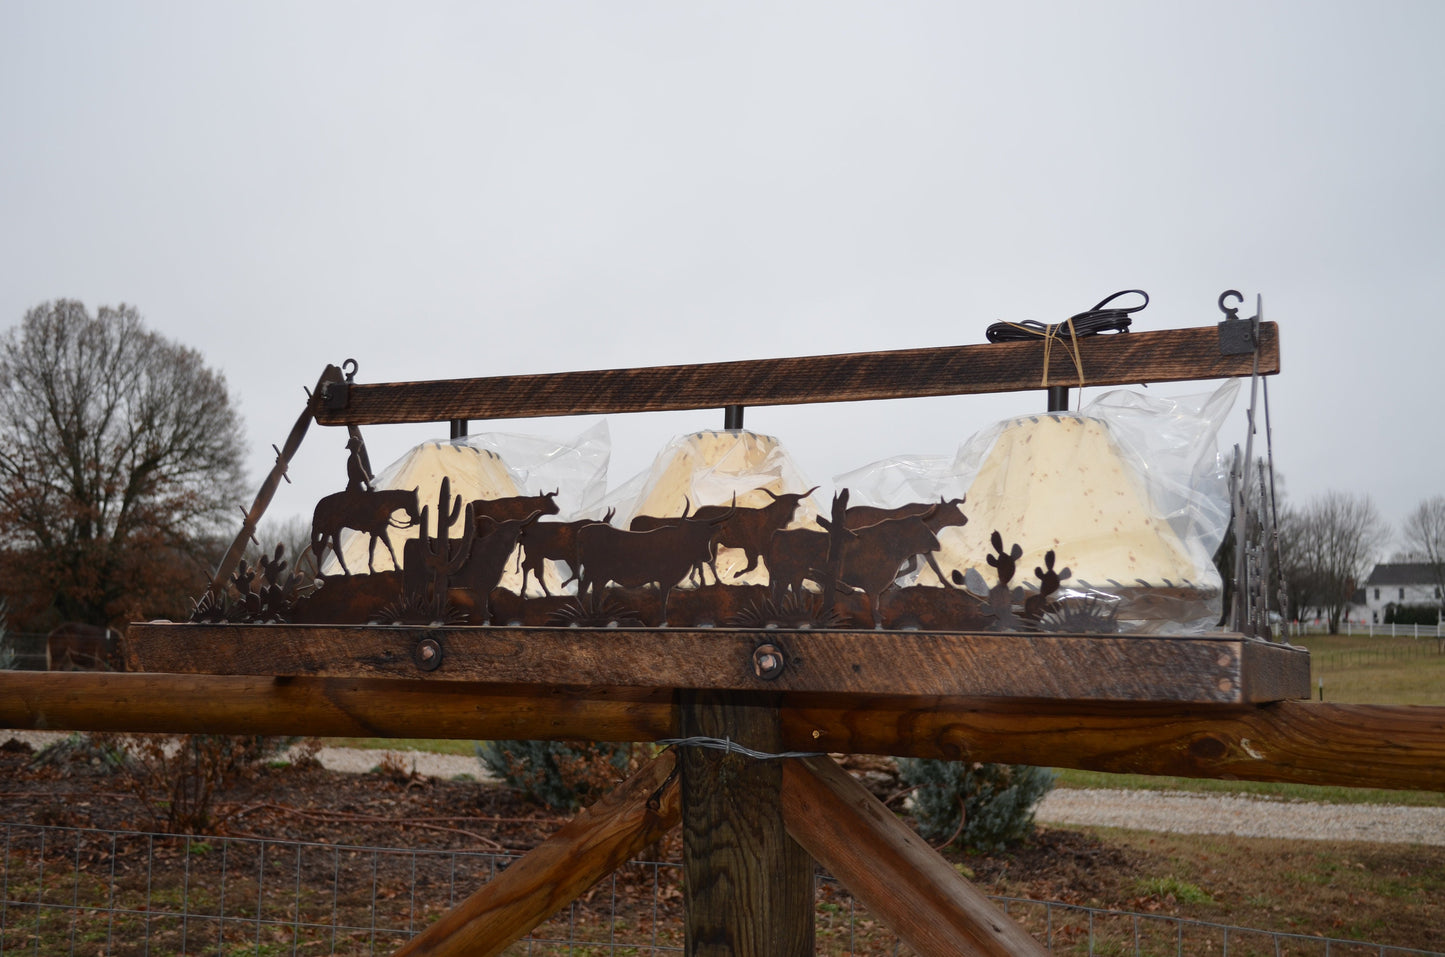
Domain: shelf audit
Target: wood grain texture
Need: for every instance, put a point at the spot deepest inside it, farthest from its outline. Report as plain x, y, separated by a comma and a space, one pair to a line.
1212, 670
328, 707
886, 865
747, 885
601, 838
1296, 741
1159, 356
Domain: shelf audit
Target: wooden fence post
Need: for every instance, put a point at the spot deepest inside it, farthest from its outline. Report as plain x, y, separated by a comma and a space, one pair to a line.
747, 885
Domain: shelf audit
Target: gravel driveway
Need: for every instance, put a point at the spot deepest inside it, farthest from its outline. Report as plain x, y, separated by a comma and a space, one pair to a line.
1186, 813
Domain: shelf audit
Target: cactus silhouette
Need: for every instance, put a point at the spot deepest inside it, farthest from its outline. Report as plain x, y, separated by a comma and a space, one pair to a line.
280, 588
1049, 580
443, 556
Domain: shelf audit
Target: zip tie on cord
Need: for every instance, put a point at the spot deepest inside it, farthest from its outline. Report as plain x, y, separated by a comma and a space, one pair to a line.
730, 746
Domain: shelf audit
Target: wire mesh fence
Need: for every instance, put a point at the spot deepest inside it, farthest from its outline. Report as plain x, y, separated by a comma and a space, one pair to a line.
76, 891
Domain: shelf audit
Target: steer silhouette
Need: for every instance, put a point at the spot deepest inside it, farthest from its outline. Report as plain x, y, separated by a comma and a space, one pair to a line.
515, 507
661, 556
545, 542
751, 529
872, 557
936, 515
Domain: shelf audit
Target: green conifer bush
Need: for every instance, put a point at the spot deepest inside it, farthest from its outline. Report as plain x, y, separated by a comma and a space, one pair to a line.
994, 802
559, 775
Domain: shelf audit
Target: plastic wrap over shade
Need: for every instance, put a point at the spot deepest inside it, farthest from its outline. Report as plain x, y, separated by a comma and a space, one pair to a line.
1060, 482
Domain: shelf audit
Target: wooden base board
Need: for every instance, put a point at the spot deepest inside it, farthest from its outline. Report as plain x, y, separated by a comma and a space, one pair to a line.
1215, 669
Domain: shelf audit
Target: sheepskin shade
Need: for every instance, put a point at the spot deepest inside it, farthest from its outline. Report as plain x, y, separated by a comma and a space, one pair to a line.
1058, 482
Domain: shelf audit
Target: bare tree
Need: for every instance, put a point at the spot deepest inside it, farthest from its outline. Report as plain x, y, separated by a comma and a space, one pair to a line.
1424, 535
1295, 577
120, 451
1336, 541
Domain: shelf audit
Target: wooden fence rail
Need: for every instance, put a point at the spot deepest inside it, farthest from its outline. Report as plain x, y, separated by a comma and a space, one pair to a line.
1295, 741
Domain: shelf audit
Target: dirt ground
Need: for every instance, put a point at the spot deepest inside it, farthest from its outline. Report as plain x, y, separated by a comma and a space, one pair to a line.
1389, 894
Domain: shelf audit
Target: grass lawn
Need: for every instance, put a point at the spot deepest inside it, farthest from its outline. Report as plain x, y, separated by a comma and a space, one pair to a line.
1069, 778
1381, 670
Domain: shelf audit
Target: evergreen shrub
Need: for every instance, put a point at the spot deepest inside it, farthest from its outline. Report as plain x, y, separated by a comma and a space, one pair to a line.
1412, 615
559, 775
994, 802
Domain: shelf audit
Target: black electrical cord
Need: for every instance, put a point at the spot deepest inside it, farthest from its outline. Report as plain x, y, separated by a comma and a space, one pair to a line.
1088, 323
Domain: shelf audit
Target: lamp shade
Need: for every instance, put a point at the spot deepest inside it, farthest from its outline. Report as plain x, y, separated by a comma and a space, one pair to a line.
1060, 483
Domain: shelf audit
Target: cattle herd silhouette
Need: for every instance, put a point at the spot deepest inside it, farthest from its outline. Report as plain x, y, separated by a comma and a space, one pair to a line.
851, 572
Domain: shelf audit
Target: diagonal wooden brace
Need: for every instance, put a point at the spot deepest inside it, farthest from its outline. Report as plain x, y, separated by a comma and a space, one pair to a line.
601, 838
898, 877
228, 563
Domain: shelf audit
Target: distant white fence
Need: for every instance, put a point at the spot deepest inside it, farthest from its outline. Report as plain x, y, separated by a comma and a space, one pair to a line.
1362, 628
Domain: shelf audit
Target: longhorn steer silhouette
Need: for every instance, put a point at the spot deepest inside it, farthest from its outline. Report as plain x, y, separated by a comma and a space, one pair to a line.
555, 542
646, 523
661, 556
751, 529
872, 556
515, 507
936, 515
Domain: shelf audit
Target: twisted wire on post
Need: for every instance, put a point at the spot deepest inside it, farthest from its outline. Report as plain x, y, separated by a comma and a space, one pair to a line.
732, 747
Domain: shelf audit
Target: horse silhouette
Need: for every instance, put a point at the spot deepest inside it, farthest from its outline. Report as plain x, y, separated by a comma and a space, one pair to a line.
365, 511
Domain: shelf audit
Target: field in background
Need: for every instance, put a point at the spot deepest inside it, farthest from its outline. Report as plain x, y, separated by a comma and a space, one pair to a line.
1381, 670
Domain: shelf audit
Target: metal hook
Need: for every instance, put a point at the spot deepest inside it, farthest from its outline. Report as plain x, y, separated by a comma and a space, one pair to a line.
351, 372
1228, 312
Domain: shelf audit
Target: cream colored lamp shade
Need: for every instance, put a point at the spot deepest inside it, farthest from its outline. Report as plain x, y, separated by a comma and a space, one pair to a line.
1059, 482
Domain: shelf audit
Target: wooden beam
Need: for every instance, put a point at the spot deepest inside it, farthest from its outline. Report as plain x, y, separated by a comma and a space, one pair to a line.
1158, 356
747, 885
1297, 741
328, 707
1227, 669
600, 839
898, 877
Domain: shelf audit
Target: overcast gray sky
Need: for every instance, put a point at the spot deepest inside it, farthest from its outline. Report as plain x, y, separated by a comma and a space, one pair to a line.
473, 189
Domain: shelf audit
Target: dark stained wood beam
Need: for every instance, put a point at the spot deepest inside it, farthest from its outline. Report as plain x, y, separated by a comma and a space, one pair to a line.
637, 813
1159, 356
1228, 669
886, 865
1351, 745
328, 707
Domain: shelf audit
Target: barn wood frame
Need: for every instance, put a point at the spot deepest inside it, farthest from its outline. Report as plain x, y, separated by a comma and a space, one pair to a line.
1209, 707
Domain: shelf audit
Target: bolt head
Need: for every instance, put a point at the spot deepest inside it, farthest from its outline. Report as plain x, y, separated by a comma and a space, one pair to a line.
427, 655
768, 662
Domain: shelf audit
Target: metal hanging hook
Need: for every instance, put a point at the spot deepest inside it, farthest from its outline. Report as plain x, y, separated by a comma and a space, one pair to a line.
1230, 313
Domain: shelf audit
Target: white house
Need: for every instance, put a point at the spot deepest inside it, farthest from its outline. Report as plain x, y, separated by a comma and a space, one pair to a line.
1402, 583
